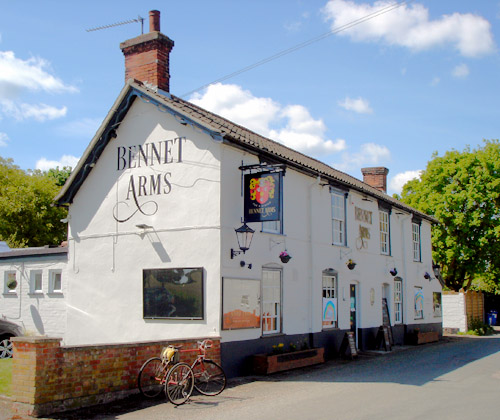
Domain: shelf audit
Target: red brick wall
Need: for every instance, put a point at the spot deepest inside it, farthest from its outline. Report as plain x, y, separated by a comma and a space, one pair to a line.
47, 377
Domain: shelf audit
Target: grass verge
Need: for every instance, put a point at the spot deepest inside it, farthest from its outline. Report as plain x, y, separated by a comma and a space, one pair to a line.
5, 376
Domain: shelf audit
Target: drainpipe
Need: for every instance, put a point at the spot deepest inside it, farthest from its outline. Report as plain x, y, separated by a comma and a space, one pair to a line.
311, 260
405, 276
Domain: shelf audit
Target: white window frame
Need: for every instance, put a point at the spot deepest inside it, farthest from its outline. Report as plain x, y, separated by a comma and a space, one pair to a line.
330, 290
52, 279
398, 301
415, 236
33, 279
418, 314
338, 202
8, 273
385, 239
271, 301
273, 226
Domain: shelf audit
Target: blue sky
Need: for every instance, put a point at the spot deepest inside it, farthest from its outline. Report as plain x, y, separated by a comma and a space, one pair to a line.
389, 91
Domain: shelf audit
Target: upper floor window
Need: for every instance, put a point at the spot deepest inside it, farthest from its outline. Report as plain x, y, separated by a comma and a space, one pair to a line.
273, 226
385, 245
338, 218
415, 235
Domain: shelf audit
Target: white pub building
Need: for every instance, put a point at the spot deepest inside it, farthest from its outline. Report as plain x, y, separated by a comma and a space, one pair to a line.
163, 200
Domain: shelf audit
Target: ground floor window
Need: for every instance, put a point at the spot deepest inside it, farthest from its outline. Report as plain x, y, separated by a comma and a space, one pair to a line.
436, 304
330, 299
271, 301
419, 303
173, 293
398, 301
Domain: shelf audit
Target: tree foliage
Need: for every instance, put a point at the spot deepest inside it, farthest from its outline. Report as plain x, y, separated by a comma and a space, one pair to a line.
27, 217
462, 190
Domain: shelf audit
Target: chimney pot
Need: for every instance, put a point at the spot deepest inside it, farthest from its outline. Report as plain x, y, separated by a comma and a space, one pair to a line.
154, 21
376, 177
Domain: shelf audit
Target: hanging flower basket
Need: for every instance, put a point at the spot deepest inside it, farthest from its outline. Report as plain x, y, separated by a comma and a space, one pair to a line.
285, 257
11, 284
351, 264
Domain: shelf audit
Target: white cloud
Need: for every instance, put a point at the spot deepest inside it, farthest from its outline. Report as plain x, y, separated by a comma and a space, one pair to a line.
359, 105
461, 71
435, 81
66, 160
3, 139
410, 26
369, 154
397, 181
18, 75
40, 112
84, 128
299, 131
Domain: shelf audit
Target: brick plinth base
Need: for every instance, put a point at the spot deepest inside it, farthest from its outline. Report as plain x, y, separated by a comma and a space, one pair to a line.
48, 378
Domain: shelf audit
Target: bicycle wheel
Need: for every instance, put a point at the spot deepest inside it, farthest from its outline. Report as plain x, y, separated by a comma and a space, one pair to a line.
179, 383
209, 377
151, 377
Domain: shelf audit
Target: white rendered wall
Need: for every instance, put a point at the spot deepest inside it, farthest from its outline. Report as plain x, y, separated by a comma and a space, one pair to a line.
107, 257
308, 238
454, 314
42, 312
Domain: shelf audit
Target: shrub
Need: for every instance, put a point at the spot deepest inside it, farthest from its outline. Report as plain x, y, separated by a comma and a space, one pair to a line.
478, 327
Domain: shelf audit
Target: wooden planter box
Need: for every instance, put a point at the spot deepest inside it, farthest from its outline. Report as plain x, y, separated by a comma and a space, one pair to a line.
264, 364
423, 337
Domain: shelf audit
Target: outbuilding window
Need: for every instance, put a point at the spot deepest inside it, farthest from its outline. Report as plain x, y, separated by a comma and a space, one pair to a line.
55, 281
36, 281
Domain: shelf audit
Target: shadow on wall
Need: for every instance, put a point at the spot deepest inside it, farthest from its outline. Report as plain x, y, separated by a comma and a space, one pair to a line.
37, 320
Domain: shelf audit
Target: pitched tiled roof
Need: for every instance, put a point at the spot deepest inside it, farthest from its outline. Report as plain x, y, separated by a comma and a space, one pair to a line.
239, 136
33, 252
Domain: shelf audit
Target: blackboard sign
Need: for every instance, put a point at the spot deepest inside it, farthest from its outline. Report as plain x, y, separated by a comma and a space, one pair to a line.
349, 342
386, 320
383, 338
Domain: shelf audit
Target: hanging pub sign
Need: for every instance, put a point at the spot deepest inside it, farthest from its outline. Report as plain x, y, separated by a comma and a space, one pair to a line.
262, 197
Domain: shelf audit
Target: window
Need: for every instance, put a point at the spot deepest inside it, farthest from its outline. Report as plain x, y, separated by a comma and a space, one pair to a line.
419, 303
271, 301
330, 299
173, 293
36, 281
55, 281
385, 245
10, 282
338, 218
273, 226
398, 300
415, 235
436, 304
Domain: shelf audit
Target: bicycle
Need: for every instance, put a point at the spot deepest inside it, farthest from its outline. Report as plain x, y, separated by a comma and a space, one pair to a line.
178, 378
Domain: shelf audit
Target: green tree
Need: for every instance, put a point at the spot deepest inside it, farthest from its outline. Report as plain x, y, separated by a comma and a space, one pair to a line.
27, 216
462, 190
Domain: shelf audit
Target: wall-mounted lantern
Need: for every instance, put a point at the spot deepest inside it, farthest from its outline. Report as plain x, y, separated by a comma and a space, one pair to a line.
393, 272
437, 270
244, 235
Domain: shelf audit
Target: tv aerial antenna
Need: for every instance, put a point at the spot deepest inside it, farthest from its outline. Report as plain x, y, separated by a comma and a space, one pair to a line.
138, 20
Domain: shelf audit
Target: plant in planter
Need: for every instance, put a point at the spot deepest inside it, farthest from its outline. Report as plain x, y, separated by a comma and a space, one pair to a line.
279, 359
285, 257
351, 264
11, 284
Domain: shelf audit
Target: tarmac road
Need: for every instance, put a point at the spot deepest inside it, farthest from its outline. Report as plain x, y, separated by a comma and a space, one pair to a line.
458, 378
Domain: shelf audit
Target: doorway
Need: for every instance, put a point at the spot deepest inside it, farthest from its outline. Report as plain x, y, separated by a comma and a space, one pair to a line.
353, 312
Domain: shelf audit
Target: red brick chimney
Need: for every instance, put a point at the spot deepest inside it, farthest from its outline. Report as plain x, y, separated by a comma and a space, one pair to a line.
376, 177
147, 56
